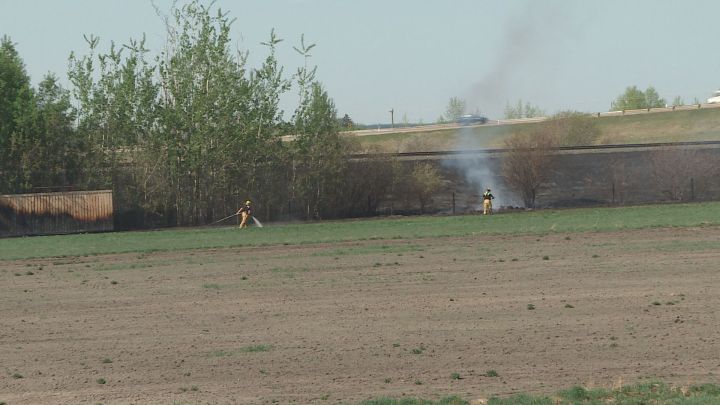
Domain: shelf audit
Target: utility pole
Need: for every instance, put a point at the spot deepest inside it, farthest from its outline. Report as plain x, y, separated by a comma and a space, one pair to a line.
392, 118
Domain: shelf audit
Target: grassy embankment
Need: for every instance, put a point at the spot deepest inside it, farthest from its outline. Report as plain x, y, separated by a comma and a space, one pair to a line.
516, 223
686, 125
641, 394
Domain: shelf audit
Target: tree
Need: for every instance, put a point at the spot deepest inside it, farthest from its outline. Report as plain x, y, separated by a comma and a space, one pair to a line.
682, 174
318, 160
631, 99
16, 116
425, 179
511, 113
219, 126
347, 123
182, 137
119, 121
572, 128
635, 99
367, 181
527, 163
678, 101
653, 99
59, 155
532, 111
455, 109
521, 110
319, 157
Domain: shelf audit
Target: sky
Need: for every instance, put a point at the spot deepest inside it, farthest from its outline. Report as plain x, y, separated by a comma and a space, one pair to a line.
412, 56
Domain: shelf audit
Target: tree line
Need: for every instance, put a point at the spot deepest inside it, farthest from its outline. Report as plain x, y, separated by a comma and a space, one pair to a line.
183, 136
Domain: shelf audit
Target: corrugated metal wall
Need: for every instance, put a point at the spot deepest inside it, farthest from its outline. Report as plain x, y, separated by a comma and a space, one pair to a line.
56, 213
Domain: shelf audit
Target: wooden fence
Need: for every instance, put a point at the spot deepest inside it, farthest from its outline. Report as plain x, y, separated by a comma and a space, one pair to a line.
56, 213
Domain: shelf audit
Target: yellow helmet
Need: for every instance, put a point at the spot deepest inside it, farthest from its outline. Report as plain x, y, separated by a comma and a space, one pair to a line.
247, 202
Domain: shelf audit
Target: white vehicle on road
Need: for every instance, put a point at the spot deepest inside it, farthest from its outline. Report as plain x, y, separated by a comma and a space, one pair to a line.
715, 99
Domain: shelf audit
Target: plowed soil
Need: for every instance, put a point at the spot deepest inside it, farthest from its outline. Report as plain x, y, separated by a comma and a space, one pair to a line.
340, 323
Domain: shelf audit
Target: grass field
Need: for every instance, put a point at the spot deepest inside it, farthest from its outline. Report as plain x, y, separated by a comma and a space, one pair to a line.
687, 125
556, 307
515, 223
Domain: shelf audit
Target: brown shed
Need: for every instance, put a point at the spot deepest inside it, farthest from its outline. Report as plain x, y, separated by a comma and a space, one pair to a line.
56, 213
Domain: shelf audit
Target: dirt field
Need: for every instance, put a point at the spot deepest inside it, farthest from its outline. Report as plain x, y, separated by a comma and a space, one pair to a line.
340, 323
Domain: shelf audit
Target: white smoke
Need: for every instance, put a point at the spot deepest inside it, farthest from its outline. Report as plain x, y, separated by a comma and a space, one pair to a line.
480, 170
527, 54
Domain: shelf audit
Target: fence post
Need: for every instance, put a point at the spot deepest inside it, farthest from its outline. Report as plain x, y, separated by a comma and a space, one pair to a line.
453, 200
613, 192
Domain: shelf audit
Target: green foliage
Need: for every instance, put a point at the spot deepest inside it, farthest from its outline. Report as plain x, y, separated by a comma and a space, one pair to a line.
246, 349
319, 153
455, 109
215, 119
39, 146
346, 123
453, 400
521, 110
648, 393
521, 399
17, 116
578, 393
635, 99
221, 127
653, 99
256, 348
182, 138
57, 154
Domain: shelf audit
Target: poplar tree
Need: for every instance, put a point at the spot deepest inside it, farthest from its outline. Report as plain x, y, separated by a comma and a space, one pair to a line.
16, 116
320, 149
57, 157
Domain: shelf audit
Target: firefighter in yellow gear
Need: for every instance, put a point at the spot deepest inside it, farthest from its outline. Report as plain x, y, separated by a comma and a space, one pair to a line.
245, 213
487, 202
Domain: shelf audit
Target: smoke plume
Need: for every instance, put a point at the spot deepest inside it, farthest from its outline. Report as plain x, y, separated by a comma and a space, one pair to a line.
528, 52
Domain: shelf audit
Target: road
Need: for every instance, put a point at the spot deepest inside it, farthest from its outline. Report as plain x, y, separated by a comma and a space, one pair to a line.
439, 127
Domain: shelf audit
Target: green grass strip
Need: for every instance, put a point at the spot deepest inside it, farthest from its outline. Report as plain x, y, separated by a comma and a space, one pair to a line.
655, 393
652, 393
416, 401
517, 223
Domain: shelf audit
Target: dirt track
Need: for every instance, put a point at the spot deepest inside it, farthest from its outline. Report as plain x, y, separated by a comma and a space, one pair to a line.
347, 322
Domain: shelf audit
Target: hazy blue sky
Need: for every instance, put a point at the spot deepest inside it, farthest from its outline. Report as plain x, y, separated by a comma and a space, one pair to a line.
410, 55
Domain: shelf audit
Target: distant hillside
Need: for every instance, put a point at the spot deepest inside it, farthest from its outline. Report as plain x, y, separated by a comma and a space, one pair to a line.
686, 125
